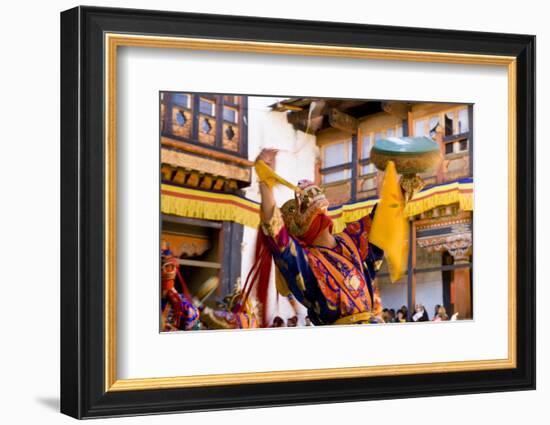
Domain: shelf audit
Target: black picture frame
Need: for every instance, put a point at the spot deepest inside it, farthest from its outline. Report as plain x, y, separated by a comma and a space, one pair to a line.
83, 392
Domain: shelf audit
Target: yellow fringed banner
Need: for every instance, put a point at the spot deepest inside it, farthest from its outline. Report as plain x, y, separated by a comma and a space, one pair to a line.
445, 194
192, 203
350, 212
195, 203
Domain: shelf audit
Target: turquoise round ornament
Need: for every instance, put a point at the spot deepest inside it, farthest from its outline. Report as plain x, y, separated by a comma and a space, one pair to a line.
407, 145
411, 155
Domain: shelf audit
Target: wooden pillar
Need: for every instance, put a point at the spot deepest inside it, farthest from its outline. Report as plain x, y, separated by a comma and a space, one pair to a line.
440, 172
411, 265
354, 161
195, 108
168, 110
461, 285
447, 281
243, 126
406, 129
318, 177
219, 120
471, 140
231, 238
462, 292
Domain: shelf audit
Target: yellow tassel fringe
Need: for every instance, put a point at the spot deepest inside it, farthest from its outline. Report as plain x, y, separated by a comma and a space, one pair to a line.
193, 203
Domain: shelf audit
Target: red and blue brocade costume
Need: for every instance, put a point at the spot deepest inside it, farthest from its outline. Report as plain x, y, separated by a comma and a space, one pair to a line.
331, 283
178, 310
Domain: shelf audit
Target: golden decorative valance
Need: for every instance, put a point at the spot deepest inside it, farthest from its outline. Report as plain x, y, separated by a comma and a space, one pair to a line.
194, 203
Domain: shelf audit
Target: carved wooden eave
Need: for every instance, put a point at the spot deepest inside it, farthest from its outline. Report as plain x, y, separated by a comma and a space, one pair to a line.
399, 109
454, 236
282, 107
292, 104
342, 121
458, 245
312, 115
302, 121
195, 166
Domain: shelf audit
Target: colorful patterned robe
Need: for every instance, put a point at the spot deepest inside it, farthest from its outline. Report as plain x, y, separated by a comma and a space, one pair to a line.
189, 319
330, 282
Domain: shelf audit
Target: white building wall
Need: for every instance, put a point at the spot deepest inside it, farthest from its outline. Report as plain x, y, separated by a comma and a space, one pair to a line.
429, 292
393, 295
295, 161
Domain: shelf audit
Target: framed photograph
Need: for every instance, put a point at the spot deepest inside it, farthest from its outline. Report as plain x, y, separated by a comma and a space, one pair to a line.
226, 178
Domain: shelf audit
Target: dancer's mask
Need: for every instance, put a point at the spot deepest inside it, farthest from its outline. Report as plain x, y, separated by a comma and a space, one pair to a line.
305, 216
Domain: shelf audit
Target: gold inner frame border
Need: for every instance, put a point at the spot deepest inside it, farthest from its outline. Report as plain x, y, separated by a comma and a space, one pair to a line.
113, 40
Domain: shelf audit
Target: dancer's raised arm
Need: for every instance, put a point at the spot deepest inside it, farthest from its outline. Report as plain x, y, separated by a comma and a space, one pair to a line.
268, 200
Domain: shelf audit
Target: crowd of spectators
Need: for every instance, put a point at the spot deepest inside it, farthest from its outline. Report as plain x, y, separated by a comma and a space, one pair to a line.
389, 315
402, 315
